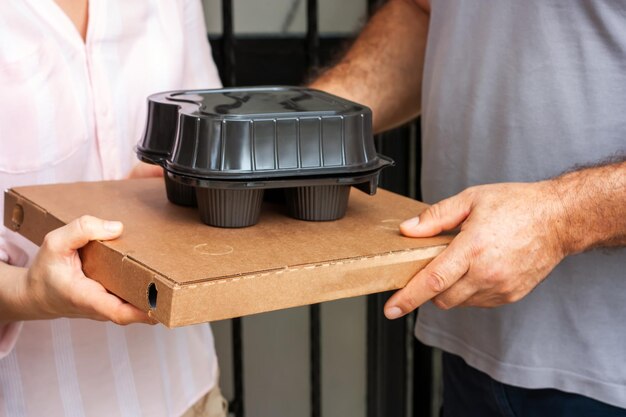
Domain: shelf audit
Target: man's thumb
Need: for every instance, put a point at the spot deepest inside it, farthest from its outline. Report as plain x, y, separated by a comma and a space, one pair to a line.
445, 215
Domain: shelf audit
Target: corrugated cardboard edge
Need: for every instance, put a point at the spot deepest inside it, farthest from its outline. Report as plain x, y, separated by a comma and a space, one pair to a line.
109, 267
299, 285
27, 218
179, 305
100, 262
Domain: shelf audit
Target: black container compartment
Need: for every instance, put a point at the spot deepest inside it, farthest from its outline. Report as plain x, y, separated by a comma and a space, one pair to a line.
318, 202
229, 208
228, 145
156, 146
181, 194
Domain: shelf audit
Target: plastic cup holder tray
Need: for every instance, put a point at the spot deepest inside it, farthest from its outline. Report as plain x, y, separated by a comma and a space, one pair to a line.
225, 149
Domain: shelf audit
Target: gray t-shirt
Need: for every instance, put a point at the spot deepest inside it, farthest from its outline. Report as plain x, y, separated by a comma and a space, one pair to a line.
522, 91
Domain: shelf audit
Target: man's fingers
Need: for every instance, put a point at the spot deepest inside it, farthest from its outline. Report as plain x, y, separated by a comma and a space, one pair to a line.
79, 232
444, 215
439, 275
457, 295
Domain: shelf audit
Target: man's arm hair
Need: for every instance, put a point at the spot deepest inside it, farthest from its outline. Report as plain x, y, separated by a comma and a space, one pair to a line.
593, 199
383, 68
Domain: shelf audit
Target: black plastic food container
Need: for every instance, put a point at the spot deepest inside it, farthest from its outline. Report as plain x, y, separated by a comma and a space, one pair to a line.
224, 147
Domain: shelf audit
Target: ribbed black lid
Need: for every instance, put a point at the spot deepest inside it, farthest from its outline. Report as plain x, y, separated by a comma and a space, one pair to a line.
260, 132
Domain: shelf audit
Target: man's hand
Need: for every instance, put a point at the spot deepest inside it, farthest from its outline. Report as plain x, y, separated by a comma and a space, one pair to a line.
509, 241
512, 235
143, 170
55, 285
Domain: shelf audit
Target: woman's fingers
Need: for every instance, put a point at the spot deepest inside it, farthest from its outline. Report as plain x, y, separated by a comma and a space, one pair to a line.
76, 234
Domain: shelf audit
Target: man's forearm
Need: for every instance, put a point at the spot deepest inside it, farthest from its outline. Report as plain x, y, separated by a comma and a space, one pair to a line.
383, 69
594, 207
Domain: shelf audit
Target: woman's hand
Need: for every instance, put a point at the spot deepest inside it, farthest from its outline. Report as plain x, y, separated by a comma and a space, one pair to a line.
509, 241
143, 170
55, 285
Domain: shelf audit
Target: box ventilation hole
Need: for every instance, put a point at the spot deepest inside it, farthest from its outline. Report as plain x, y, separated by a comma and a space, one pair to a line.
152, 295
17, 217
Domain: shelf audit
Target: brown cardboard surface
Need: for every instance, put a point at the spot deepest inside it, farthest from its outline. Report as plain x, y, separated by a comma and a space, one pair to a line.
204, 273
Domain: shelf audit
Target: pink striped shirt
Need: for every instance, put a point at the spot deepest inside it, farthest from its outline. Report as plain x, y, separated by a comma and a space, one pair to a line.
71, 111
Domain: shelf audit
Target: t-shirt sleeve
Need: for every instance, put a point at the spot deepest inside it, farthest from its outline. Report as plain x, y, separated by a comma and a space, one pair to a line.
200, 70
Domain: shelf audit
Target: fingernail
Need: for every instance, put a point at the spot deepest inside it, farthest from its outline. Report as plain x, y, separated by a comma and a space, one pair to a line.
112, 227
411, 223
151, 318
393, 313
